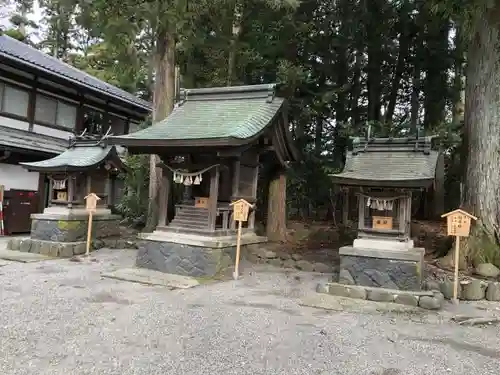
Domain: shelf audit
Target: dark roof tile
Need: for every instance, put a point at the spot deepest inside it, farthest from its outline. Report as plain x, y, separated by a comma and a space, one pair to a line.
15, 50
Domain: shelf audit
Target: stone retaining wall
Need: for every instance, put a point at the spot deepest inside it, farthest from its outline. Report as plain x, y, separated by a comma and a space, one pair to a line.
65, 249
391, 269
74, 229
468, 290
186, 260
430, 300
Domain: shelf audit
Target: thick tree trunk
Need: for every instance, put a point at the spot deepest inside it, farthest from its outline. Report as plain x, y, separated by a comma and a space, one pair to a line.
276, 209
404, 45
163, 101
235, 34
482, 133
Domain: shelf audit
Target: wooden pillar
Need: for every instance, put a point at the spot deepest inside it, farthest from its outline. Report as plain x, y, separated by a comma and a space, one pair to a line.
163, 200
107, 191
236, 186
214, 194
361, 212
251, 218
408, 215
42, 192
88, 184
51, 192
345, 205
71, 190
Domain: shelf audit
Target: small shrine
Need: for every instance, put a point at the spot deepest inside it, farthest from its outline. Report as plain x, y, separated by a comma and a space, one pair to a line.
212, 145
385, 173
89, 165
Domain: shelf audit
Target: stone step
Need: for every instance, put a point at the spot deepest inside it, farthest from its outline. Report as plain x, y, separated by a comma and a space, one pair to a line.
193, 215
189, 223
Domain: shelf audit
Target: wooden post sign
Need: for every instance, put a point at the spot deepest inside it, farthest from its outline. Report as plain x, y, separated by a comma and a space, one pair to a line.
90, 206
458, 225
241, 209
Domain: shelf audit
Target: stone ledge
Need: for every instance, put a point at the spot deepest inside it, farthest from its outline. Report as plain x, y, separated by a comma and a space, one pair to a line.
201, 240
468, 290
74, 217
430, 300
64, 249
413, 255
48, 248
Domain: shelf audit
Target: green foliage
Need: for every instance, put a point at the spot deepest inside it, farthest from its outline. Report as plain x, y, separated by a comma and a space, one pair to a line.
134, 204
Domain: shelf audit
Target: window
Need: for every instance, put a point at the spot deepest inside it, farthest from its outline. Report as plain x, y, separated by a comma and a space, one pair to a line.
45, 109
55, 112
66, 115
14, 100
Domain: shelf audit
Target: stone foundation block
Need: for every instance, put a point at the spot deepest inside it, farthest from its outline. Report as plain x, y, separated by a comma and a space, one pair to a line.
187, 260
493, 292
390, 269
346, 291
48, 248
473, 290
73, 230
430, 300
381, 295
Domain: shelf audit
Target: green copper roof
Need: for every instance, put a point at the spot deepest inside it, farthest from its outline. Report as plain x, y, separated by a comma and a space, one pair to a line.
76, 157
222, 113
390, 162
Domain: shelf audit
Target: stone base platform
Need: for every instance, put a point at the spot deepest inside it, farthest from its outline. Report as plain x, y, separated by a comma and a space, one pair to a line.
72, 228
430, 300
191, 255
392, 269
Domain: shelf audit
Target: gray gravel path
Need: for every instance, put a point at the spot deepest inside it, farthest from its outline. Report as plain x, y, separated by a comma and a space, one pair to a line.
60, 317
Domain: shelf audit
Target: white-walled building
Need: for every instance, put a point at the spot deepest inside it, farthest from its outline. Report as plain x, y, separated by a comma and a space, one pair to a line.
43, 101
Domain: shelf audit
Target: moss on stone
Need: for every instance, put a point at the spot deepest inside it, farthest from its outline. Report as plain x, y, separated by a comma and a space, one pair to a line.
68, 225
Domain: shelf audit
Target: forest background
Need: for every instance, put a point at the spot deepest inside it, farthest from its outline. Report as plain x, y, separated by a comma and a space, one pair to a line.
396, 66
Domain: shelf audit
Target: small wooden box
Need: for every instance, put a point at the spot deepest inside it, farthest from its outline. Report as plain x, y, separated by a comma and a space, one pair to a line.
62, 196
381, 222
458, 225
201, 202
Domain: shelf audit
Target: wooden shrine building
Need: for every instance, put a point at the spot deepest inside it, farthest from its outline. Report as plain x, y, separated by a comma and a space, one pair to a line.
385, 173
213, 144
89, 165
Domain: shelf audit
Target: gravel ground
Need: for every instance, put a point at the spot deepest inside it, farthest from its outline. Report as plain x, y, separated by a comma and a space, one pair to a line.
60, 317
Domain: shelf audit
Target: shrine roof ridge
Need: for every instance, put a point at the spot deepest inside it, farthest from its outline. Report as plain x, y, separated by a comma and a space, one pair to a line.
394, 144
219, 117
391, 162
229, 92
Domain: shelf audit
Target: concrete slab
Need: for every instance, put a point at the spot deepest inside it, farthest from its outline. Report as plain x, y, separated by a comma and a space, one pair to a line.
334, 303
150, 277
22, 257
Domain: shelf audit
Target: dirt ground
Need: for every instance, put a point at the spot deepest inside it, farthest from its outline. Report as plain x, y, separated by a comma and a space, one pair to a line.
61, 317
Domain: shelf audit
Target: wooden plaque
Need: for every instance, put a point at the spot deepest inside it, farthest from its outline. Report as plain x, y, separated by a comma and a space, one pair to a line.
62, 196
458, 223
241, 211
201, 202
91, 202
382, 222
